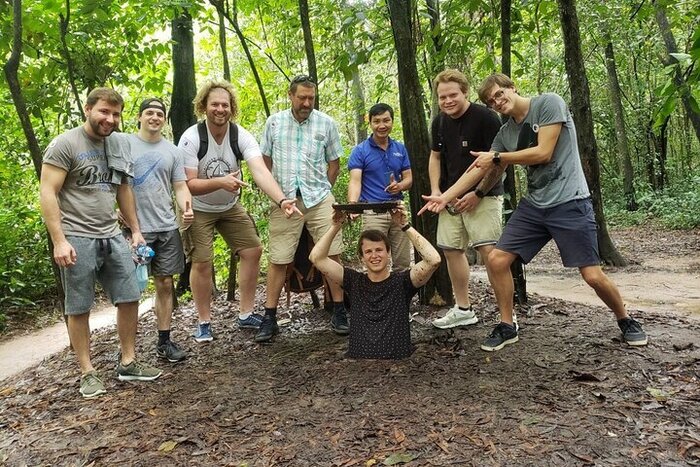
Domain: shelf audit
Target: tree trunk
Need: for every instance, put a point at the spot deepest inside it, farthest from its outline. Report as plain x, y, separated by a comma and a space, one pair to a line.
510, 200
358, 99
231, 14
64, 22
581, 109
309, 45
222, 44
625, 159
415, 132
437, 58
184, 86
11, 69
671, 48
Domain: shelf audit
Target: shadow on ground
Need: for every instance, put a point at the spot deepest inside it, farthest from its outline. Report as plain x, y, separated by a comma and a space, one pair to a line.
569, 393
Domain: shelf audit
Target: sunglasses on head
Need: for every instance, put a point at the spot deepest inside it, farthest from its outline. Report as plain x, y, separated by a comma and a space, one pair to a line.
302, 79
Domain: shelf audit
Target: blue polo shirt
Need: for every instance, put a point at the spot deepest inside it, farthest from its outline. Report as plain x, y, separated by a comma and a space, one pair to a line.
376, 163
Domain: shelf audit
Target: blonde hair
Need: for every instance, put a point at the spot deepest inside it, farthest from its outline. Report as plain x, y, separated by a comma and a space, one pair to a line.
200, 100
495, 79
452, 76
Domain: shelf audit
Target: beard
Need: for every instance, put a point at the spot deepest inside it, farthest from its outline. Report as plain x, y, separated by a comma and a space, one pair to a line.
100, 130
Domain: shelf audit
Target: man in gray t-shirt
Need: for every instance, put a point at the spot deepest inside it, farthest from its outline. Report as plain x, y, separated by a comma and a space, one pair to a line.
84, 172
540, 135
158, 172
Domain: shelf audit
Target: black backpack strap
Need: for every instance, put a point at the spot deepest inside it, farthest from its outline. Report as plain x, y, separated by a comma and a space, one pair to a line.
233, 138
203, 140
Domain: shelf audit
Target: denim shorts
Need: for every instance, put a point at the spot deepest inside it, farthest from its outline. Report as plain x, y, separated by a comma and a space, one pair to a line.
107, 260
571, 225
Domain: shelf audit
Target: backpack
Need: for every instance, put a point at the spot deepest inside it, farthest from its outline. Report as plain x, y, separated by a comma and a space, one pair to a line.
302, 275
232, 136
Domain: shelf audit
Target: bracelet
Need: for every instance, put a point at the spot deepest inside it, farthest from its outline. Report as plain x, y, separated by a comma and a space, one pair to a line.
406, 227
279, 203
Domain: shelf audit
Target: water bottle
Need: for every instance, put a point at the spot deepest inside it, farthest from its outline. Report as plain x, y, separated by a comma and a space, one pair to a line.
142, 256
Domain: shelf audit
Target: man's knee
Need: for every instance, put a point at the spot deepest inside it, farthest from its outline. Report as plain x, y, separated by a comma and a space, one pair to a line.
595, 277
498, 260
252, 254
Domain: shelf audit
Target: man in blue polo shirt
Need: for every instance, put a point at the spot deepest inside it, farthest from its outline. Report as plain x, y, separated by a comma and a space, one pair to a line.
380, 171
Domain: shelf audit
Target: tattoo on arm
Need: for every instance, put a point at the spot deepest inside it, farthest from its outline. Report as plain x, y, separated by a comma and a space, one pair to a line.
490, 179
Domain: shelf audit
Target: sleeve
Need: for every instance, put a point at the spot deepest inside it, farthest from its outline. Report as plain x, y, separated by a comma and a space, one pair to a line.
349, 279
333, 149
247, 144
356, 159
408, 286
266, 138
189, 148
552, 109
57, 153
178, 174
434, 130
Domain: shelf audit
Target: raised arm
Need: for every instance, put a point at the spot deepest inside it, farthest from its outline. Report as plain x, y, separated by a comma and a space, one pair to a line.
319, 254
422, 271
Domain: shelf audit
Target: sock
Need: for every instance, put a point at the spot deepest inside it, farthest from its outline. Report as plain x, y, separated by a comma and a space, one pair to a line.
243, 316
163, 336
271, 312
338, 307
465, 309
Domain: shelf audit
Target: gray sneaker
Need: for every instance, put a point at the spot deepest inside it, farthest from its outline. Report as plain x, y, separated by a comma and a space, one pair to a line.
632, 332
502, 335
456, 317
171, 352
137, 371
91, 385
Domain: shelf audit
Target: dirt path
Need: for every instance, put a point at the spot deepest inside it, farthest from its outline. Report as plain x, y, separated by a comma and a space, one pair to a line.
569, 393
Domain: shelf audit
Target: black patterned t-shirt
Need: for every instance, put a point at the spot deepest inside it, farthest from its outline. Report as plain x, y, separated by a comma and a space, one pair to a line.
379, 315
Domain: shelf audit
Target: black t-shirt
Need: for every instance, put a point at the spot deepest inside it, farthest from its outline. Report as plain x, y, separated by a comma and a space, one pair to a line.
379, 315
473, 131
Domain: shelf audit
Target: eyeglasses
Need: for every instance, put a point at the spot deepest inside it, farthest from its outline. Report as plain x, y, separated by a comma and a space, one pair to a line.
497, 96
302, 79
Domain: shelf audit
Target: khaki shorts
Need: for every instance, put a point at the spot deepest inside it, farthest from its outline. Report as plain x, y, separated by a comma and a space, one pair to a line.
285, 233
235, 226
400, 244
480, 227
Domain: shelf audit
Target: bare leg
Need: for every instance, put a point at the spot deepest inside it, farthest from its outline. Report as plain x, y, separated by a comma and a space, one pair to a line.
458, 268
605, 289
250, 269
164, 301
79, 334
498, 267
127, 322
200, 282
276, 274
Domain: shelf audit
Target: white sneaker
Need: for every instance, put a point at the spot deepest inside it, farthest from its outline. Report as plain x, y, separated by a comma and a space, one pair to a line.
456, 317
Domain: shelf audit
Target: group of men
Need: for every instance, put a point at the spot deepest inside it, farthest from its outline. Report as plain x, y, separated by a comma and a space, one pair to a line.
87, 169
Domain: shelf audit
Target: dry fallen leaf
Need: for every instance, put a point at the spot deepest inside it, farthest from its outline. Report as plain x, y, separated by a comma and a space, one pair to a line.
167, 446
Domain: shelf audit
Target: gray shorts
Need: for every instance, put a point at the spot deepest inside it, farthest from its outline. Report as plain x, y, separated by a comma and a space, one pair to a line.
107, 260
169, 258
571, 225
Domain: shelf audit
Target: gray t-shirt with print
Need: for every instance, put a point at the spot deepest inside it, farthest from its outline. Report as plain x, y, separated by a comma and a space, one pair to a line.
87, 198
562, 178
157, 166
217, 162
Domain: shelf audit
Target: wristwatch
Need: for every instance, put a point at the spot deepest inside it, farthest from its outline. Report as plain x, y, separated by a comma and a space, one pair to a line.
496, 157
479, 193
406, 227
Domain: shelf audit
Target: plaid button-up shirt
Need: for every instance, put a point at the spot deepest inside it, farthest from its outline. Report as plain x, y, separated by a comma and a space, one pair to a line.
300, 153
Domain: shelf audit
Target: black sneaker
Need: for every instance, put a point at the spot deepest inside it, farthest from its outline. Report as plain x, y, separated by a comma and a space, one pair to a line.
502, 335
632, 331
339, 322
171, 352
268, 328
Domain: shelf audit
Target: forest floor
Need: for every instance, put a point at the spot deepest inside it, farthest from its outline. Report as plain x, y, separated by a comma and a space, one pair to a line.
569, 393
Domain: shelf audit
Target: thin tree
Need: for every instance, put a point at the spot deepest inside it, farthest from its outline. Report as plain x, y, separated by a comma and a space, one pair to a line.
309, 45
184, 86
415, 133
581, 109
11, 69
625, 160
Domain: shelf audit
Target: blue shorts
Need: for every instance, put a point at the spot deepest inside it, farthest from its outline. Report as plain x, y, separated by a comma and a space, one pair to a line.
107, 260
572, 226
